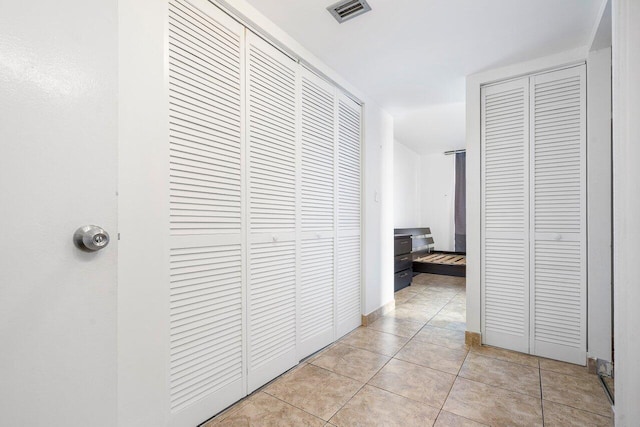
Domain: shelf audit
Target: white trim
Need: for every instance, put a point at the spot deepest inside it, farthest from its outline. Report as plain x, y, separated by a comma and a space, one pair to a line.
626, 203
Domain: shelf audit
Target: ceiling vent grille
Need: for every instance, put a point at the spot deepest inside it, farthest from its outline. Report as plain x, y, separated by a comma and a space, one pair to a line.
348, 9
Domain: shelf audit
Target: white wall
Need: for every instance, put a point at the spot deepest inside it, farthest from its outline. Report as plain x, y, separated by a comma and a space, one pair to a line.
406, 186
437, 185
626, 152
423, 193
378, 209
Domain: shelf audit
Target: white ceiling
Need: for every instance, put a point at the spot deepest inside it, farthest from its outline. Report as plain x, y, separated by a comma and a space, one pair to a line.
411, 56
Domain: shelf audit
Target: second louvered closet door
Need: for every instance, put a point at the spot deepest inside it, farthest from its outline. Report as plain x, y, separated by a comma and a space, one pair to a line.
272, 203
317, 213
558, 223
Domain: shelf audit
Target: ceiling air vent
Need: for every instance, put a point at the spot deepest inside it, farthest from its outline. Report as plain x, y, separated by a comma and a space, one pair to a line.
348, 9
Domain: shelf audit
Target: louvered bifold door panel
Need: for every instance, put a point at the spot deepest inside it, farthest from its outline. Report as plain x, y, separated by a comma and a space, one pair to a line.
205, 54
271, 147
317, 213
558, 175
316, 294
505, 215
349, 197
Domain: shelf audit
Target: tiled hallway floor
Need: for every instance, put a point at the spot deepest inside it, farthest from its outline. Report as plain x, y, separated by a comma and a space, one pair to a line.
412, 368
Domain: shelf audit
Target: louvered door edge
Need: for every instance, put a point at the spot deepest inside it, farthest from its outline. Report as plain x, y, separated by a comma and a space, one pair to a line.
502, 324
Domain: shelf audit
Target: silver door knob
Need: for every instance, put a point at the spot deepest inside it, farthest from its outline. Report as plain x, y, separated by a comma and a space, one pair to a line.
91, 238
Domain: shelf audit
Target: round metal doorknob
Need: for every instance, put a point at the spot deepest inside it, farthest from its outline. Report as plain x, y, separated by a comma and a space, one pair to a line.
91, 238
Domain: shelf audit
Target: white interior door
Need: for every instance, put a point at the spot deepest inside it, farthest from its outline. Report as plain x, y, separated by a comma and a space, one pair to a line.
58, 171
272, 117
558, 223
349, 217
317, 213
505, 214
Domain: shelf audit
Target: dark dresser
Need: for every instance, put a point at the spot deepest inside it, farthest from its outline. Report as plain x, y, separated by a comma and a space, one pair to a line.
402, 261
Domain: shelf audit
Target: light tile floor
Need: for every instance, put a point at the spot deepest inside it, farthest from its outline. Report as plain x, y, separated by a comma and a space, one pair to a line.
412, 368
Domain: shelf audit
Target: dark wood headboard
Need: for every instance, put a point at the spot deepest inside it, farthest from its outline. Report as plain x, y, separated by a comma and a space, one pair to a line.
420, 237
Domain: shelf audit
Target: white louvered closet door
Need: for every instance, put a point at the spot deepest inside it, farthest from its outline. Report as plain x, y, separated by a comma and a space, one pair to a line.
349, 204
205, 54
558, 223
271, 157
317, 213
505, 214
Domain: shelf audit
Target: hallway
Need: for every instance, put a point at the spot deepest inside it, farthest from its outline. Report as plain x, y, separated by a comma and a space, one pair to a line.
412, 368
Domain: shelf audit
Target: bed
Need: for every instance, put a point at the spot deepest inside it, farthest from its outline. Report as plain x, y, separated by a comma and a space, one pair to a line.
426, 260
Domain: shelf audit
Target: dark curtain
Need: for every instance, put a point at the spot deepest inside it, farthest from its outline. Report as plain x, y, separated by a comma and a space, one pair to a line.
461, 204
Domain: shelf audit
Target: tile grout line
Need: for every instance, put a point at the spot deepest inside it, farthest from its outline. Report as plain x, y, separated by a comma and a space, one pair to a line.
360, 389
502, 360
404, 397
294, 406
501, 388
454, 382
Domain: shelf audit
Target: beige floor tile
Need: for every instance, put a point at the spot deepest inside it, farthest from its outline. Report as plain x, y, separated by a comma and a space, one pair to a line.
315, 390
556, 415
263, 410
442, 336
584, 393
507, 355
351, 362
437, 290
375, 407
455, 307
372, 340
413, 313
435, 299
414, 382
492, 405
404, 295
432, 356
508, 375
391, 325
450, 320
564, 368
447, 419
314, 356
